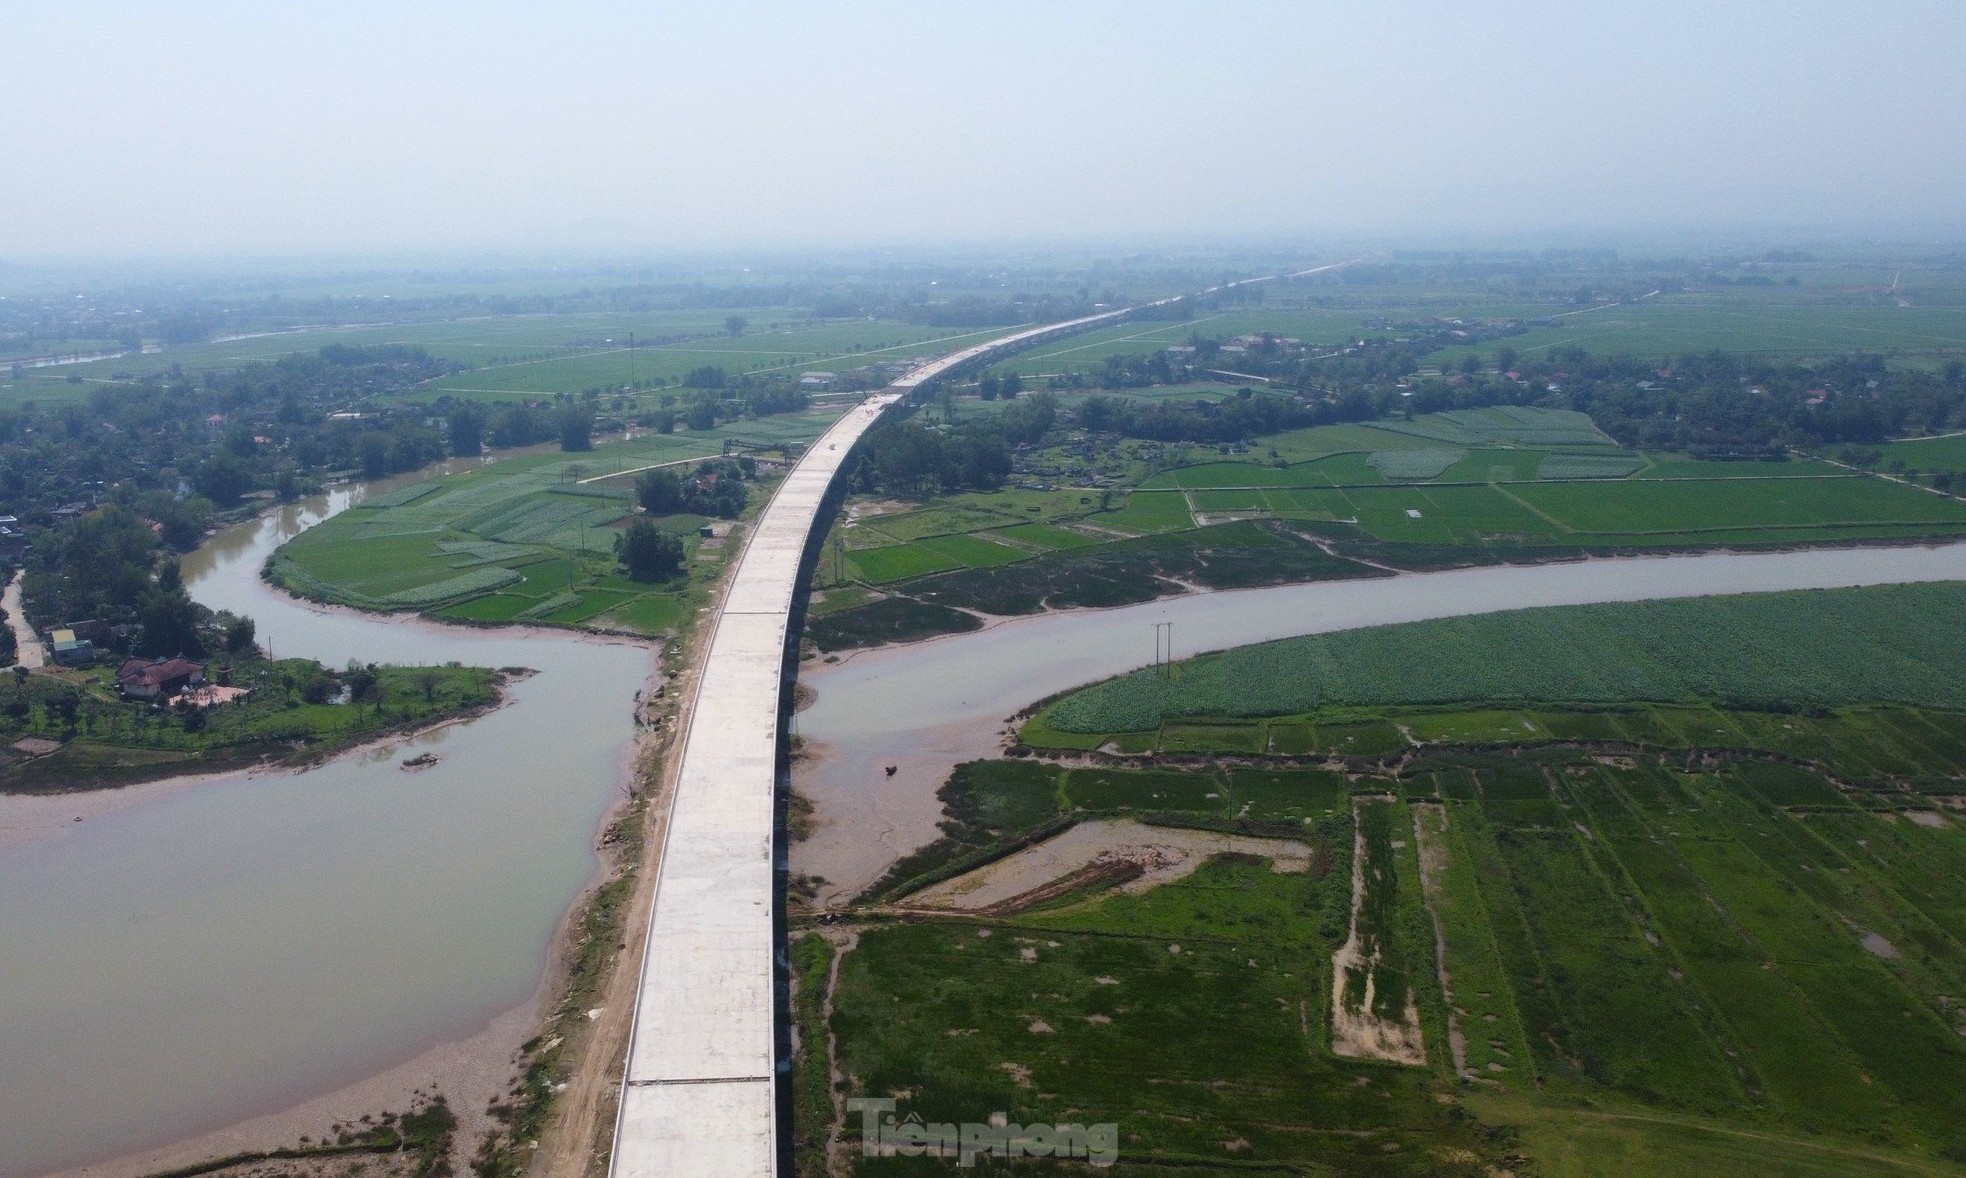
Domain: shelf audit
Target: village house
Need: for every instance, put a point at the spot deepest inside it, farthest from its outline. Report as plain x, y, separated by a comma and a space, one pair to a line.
154, 678
70, 651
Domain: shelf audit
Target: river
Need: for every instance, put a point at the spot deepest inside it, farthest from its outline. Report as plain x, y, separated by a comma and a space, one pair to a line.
923, 708
214, 953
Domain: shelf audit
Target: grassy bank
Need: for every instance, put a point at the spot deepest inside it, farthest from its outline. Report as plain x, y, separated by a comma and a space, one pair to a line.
296, 710
528, 539
1094, 520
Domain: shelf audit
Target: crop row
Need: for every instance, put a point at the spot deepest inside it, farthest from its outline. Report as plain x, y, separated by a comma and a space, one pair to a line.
475, 581
1814, 648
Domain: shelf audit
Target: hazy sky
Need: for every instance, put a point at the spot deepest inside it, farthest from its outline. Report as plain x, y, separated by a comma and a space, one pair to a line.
297, 127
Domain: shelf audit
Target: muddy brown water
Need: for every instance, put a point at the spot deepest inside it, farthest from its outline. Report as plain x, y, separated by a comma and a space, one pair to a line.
218, 952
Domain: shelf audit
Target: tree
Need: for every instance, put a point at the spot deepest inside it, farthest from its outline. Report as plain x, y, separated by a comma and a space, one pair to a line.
576, 427
239, 635
701, 413
648, 552
660, 491
182, 521
223, 478
467, 430
319, 688
736, 324
364, 681
168, 622
426, 680
98, 567
372, 451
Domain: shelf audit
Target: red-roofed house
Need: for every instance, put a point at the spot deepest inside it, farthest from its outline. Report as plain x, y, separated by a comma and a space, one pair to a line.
149, 679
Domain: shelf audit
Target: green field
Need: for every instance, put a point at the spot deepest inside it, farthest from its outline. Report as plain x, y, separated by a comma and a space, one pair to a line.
1698, 324
521, 539
1441, 490
517, 356
834, 347
1808, 322
1651, 965
1820, 648
1928, 454
1005, 581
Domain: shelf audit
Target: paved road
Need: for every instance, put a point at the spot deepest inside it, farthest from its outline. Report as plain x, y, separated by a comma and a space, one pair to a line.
27, 644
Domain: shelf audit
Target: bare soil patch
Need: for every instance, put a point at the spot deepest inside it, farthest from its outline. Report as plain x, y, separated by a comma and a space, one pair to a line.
1114, 852
1356, 1032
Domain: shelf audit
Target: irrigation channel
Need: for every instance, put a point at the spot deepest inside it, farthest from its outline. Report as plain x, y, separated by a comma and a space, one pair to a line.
206, 954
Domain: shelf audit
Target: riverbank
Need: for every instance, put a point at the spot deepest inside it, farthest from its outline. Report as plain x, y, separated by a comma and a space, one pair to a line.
306, 737
551, 1064
474, 1073
300, 946
470, 1073
25, 817
928, 706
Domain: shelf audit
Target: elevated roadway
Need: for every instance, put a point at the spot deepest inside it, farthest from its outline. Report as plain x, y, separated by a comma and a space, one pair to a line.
698, 1095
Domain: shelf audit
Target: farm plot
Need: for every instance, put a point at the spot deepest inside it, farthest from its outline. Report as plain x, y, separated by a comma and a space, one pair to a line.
1583, 956
1518, 425
1225, 556
1828, 649
900, 562
1708, 953
837, 346
1408, 465
519, 540
1638, 507
1588, 466
1693, 323
1191, 1013
1047, 536
1928, 454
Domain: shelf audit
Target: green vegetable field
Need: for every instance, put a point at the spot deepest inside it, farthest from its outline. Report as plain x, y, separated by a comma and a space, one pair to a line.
1658, 957
1891, 643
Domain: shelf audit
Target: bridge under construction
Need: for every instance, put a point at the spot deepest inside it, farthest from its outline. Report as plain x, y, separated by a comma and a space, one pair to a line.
699, 1095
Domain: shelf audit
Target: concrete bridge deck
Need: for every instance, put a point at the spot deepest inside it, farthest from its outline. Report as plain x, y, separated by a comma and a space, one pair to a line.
699, 1093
